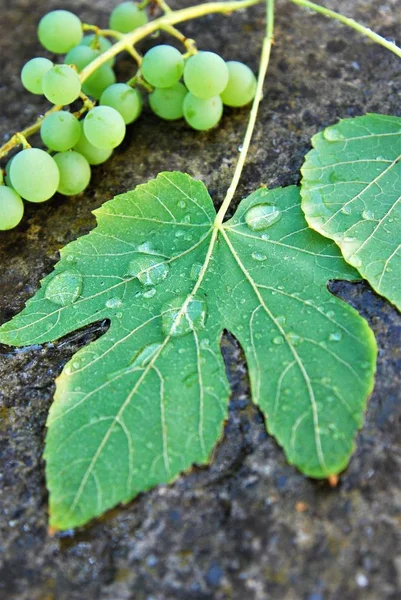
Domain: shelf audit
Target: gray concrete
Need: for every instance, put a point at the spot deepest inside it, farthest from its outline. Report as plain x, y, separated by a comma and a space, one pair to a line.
234, 530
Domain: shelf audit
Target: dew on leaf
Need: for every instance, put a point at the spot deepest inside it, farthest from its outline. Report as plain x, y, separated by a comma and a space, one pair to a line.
368, 215
149, 293
178, 321
150, 270
332, 134
261, 216
259, 256
181, 204
195, 271
294, 339
335, 337
145, 355
278, 340
64, 288
113, 303
280, 320
346, 210
355, 260
147, 248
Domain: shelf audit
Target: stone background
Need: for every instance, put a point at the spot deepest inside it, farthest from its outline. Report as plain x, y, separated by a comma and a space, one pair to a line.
234, 530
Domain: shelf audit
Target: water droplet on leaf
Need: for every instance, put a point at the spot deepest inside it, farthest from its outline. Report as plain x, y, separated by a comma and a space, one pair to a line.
150, 270
64, 288
261, 216
331, 134
259, 256
195, 271
113, 303
335, 337
179, 317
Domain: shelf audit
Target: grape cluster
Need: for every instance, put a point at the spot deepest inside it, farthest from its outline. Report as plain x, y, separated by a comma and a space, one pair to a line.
194, 85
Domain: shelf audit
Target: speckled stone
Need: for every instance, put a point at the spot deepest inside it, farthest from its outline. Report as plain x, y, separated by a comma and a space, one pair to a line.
249, 526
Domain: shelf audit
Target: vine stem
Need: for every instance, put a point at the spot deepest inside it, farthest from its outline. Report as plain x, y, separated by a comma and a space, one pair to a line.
170, 19
331, 14
264, 63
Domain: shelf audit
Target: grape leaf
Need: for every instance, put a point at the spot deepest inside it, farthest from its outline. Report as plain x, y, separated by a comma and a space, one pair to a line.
351, 193
149, 398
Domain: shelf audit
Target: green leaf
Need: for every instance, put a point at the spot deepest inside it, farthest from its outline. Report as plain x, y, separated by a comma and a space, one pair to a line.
149, 398
351, 193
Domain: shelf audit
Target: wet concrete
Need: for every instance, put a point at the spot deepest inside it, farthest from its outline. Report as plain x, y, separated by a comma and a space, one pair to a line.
249, 526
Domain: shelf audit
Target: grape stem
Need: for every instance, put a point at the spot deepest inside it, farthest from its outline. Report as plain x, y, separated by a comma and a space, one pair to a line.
127, 42
189, 44
331, 14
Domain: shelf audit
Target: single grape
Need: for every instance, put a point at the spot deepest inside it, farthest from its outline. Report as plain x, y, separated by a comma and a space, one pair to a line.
202, 114
59, 31
75, 172
7, 176
126, 17
167, 103
80, 56
104, 127
34, 175
241, 86
162, 66
205, 74
94, 156
99, 44
61, 85
32, 74
11, 208
126, 100
60, 131
96, 83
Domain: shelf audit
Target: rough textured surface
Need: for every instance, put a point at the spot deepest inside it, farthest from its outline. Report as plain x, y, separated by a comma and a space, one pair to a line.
250, 525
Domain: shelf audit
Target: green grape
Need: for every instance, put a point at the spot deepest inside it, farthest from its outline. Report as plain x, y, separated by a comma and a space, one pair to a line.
61, 85
205, 74
80, 56
241, 86
11, 208
167, 103
127, 101
60, 131
32, 74
202, 114
126, 17
75, 172
99, 44
34, 175
104, 127
59, 31
94, 156
7, 176
162, 66
96, 83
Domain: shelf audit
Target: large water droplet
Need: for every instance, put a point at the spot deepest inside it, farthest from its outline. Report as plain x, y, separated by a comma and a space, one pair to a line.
64, 288
147, 248
150, 293
150, 270
113, 303
259, 256
144, 356
261, 216
355, 261
195, 271
178, 321
331, 134
294, 339
368, 215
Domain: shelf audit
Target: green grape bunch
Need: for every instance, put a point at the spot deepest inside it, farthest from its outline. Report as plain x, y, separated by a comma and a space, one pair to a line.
193, 85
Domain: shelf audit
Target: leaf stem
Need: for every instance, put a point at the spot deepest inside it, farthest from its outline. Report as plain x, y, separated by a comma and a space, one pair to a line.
331, 14
264, 63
